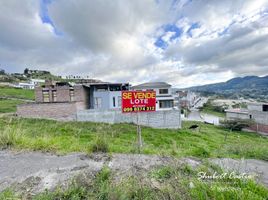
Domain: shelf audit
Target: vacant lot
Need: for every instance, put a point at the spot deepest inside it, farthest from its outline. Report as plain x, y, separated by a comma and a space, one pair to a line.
120, 176
64, 137
176, 181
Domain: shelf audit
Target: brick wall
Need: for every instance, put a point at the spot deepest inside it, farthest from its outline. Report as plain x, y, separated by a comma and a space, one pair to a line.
38, 94
259, 128
158, 119
63, 93
59, 111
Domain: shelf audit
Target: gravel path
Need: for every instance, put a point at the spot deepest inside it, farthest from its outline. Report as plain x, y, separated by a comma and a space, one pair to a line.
259, 168
36, 171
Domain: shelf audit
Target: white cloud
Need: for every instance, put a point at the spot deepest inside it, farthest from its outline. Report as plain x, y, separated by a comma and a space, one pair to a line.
114, 40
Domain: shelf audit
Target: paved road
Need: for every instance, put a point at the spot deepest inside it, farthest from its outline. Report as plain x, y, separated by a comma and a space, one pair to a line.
194, 115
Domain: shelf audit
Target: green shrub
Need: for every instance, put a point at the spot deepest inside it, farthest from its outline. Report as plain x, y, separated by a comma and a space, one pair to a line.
8, 194
9, 136
100, 145
236, 125
201, 152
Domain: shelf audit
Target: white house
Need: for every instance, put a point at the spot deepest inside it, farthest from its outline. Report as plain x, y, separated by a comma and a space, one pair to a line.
29, 86
164, 97
37, 81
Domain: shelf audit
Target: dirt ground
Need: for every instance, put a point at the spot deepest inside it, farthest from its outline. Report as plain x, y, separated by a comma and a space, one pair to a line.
35, 171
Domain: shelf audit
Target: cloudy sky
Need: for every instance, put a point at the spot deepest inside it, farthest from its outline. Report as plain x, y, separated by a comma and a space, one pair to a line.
185, 43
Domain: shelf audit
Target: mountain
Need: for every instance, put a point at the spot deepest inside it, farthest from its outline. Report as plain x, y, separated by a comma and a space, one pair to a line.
249, 86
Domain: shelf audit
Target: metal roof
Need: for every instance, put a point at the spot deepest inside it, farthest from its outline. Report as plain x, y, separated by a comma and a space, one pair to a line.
238, 110
258, 103
151, 85
104, 83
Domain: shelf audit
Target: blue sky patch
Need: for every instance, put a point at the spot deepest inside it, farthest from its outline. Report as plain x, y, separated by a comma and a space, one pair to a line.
44, 15
168, 28
193, 26
161, 43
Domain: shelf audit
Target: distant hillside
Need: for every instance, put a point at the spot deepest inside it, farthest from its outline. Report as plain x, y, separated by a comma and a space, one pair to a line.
248, 87
29, 74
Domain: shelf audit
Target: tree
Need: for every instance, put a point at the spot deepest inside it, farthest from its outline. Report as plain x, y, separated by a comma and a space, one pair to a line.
2, 72
235, 125
26, 71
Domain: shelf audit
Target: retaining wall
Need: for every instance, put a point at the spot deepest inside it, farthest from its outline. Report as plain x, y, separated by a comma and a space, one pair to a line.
157, 119
259, 128
59, 111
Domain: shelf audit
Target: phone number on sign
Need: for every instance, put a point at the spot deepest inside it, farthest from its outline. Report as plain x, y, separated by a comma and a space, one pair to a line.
131, 109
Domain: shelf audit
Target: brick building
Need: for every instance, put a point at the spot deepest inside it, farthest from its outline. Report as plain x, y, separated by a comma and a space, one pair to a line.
62, 100
61, 92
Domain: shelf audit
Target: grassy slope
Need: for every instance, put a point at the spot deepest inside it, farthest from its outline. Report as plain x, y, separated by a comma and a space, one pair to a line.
64, 137
16, 93
9, 105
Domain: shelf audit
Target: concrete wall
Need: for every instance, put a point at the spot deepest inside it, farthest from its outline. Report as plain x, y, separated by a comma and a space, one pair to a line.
254, 107
116, 95
231, 115
259, 117
59, 111
158, 119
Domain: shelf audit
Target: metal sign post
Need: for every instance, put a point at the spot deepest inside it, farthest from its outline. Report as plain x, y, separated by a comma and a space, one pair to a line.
139, 132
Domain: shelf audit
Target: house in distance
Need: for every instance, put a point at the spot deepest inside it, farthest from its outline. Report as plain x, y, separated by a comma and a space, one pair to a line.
99, 102
164, 97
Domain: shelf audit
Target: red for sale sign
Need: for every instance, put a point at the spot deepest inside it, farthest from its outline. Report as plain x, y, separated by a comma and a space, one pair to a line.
138, 101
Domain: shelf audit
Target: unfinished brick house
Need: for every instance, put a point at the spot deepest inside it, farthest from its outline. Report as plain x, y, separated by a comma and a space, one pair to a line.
61, 100
56, 101
61, 92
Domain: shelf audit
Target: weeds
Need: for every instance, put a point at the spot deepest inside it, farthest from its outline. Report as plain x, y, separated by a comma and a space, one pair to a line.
167, 182
100, 145
10, 136
65, 137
